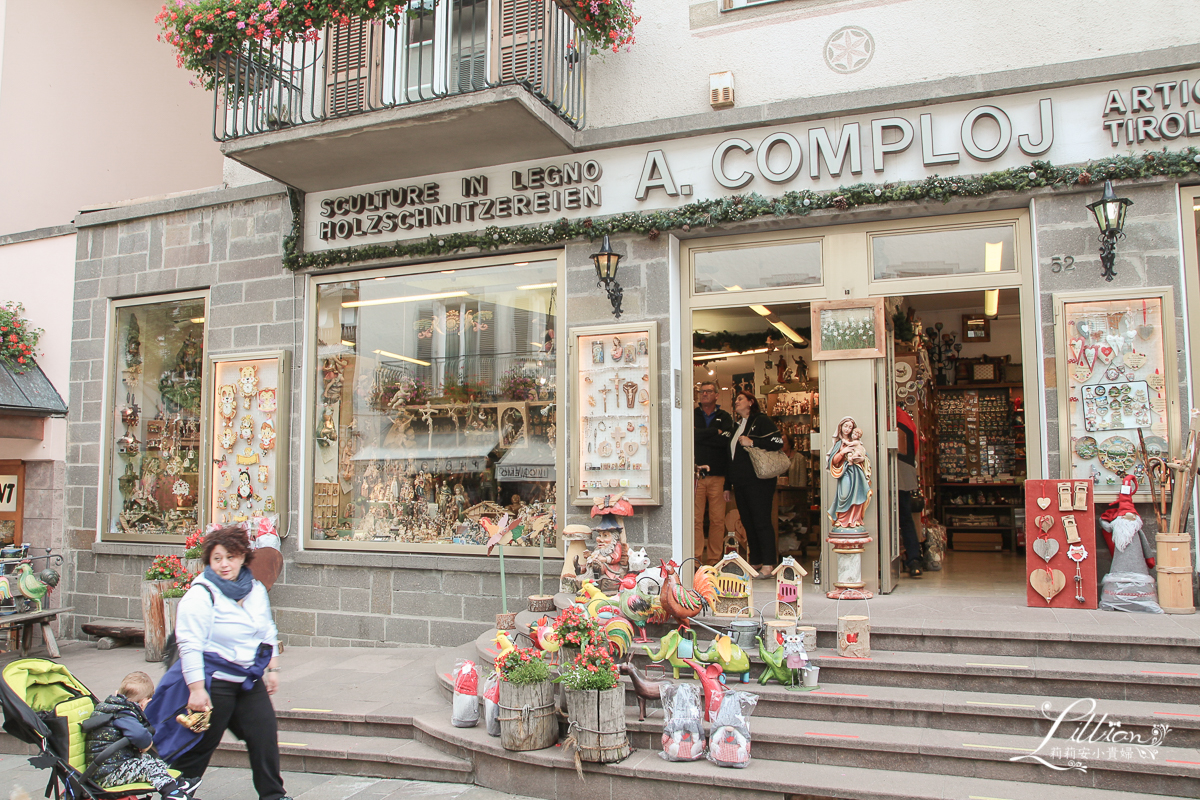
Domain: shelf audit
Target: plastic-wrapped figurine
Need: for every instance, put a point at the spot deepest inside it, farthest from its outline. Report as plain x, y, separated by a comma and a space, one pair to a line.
683, 732
729, 742
465, 713
491, 704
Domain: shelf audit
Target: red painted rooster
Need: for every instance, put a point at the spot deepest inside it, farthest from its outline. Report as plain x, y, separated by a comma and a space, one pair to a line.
682, 603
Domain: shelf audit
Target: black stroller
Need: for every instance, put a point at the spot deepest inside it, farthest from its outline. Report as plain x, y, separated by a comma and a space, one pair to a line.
46, 706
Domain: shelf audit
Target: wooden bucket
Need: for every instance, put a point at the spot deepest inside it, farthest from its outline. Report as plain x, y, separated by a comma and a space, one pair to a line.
527, 720
598, 724
154, 618
774, 626
810, 636
1173, 562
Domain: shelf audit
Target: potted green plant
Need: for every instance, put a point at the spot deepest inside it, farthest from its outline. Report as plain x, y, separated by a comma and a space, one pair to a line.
605, 24
164, 571
527, 720
595, 705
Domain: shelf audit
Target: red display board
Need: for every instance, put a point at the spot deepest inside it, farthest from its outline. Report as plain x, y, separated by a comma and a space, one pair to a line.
1050, 508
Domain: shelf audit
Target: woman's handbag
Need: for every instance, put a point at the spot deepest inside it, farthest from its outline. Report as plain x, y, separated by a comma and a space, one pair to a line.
768, 463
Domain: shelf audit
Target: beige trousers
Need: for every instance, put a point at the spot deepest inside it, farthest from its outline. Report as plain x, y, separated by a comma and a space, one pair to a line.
710, 490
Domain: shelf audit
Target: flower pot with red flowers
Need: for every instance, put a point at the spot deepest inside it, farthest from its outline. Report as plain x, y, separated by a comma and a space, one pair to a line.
193, 553
595, 705
163, 574
527, 720
18, 340
605, 24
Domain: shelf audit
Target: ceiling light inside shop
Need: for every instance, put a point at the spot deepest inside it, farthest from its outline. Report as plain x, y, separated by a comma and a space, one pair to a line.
521, 264
529, 286
787, 331
710, 356
198, 320
347, 344
993, 257
762, 311
383, 301
417, 361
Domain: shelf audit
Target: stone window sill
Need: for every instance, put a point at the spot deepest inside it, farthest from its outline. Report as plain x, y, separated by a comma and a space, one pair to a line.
443, 563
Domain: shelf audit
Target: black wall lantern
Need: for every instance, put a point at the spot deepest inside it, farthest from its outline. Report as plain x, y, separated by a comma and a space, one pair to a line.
1109, 211
606, 272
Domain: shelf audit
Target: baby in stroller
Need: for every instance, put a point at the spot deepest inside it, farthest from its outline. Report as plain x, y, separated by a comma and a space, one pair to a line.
131, 763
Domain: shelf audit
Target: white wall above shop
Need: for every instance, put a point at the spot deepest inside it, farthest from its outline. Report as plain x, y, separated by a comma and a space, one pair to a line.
1067, 125
778, 51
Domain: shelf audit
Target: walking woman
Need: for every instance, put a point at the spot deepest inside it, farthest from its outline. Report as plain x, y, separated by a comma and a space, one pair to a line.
227, 664
754, 495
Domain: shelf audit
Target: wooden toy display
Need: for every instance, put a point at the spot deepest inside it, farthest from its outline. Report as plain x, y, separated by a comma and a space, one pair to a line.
1060, 559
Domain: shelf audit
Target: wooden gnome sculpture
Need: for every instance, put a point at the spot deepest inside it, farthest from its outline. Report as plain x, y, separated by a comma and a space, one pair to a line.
1128, 586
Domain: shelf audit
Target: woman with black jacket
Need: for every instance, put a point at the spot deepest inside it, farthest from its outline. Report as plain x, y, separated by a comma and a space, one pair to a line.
754, 495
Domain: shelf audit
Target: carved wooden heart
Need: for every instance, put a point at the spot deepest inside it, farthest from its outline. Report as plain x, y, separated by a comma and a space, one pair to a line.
1045, 522
1159, 404
1145, 332
1076, 350
1106, 353
1082, 372
1044, 503
1047, 582
1089, 357
1156, 381
1046, 548
1135, 360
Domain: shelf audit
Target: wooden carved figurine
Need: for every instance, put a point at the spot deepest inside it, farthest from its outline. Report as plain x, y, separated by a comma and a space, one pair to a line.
851, 469
248, 382
267, 401
227, 402
643, 688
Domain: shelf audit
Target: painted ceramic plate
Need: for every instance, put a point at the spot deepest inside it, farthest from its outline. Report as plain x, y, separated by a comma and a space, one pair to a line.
903, 371
1116, 454
1156, 446
1085, 447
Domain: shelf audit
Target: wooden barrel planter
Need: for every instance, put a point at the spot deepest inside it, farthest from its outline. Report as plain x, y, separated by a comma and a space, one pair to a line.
1174, 568
598, 724
527, 720
154, 618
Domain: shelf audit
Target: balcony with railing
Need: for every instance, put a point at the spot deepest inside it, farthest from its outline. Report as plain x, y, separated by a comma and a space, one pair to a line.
458, 84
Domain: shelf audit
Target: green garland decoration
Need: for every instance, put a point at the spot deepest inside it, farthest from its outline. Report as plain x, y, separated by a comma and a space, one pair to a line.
738, 342
740, 208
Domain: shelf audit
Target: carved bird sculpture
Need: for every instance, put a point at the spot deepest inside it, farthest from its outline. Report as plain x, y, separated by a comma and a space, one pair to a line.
35, 588
500, 533
543, 636
503, 643
682, 603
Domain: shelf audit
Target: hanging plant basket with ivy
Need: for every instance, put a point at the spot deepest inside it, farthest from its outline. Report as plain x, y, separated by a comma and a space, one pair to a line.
605, 24
211, 37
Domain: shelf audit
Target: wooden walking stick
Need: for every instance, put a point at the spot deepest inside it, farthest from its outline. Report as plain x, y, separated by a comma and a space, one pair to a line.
1186, 464
1150, 479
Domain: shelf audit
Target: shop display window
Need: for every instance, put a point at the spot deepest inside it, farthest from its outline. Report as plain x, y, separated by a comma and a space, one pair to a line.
758, 267
615, 379
954, 251
434, 405
156, 394
1118, 384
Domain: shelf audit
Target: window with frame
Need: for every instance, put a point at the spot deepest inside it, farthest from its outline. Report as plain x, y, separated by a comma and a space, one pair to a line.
155, 385
435, 403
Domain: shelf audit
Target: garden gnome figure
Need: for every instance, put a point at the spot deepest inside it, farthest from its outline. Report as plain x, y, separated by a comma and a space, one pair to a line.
1128, 586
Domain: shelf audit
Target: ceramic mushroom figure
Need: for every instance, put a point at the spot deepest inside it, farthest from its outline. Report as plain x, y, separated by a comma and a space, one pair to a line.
849, 466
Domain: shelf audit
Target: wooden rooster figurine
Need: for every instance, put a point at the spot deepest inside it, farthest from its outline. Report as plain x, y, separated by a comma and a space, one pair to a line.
35, 587
682, 603
637, 604
543, 636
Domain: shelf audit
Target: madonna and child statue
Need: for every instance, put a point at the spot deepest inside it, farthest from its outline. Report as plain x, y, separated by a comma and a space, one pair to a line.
850, 468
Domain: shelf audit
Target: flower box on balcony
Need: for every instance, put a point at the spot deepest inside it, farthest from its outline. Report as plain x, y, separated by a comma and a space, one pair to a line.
607, 24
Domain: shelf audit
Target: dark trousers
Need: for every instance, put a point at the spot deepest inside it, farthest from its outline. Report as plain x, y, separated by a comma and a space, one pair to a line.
250, 716
908, 531
754, 498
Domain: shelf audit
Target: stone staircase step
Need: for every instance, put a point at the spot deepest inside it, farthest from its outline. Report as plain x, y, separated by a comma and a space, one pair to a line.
1171, 770
315, 720
367, 756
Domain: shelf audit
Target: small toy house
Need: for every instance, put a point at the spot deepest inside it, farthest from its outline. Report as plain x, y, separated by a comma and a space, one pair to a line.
733, 578
789, 597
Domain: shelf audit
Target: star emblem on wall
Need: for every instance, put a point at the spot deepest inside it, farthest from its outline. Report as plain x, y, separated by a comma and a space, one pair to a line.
849, 49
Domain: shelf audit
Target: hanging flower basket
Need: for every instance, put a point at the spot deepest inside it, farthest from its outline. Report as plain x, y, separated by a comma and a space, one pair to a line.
605, 24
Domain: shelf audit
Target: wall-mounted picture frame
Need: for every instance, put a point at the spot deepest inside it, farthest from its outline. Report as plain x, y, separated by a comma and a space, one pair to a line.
976, 328
615, 419
845, 329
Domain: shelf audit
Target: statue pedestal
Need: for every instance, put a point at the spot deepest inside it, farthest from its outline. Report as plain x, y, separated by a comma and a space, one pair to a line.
848, 547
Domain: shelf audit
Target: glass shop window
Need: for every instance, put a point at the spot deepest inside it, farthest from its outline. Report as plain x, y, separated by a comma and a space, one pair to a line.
436, 408
156, 382
931, 254
765, 267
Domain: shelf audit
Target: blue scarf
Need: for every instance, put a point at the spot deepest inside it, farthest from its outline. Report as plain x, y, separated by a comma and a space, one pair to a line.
235, 589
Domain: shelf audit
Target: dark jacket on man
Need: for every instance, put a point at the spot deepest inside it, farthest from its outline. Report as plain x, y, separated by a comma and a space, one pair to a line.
712, 440
765, 435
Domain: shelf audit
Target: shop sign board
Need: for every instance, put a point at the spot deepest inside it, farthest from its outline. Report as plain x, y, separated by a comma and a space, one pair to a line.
1067, 125
9, 492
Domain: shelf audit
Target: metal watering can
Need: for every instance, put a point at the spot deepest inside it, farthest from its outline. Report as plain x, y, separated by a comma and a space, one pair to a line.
743, 632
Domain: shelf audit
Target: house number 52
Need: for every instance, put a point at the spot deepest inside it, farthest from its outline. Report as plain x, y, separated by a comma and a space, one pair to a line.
1061, 263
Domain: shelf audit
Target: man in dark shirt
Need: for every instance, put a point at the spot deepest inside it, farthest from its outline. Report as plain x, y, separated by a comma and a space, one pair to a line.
713, 433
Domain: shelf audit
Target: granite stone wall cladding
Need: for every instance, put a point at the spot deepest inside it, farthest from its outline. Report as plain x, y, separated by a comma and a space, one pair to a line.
1148, 256
232, 247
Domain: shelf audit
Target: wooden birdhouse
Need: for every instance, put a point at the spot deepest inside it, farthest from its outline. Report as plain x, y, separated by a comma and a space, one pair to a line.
733, 579
789, 597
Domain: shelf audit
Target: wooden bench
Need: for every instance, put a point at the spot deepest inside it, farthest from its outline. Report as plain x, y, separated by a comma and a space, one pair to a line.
112, 634
22, 626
